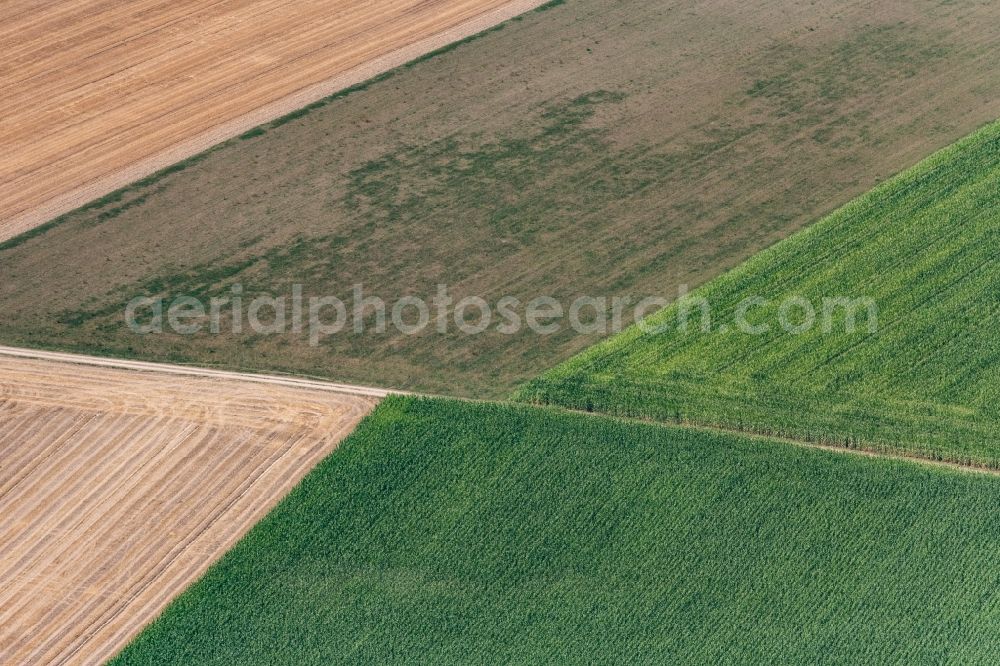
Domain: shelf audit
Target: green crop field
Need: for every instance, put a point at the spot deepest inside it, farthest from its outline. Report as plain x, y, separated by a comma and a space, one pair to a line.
454, 532
596, 148
916, 373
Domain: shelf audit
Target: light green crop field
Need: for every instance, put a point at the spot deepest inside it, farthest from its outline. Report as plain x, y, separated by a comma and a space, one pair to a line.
450, 532
917, 372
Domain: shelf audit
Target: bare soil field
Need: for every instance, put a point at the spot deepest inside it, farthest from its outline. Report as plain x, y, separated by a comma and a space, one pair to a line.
119, 488
596, 148
94, 95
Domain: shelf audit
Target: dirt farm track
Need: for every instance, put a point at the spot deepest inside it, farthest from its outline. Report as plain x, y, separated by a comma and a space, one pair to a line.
97, 93
118, 488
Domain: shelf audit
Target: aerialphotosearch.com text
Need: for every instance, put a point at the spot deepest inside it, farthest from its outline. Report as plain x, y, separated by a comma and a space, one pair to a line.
319, 317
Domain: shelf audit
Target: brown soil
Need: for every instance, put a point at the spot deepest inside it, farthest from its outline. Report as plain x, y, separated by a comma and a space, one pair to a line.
597, 148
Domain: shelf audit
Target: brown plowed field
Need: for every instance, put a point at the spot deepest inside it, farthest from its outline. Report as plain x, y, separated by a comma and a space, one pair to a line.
119, 488
97, 93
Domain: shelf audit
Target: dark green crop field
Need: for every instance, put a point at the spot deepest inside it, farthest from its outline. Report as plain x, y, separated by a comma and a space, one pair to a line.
597, 148
916, 372
448, 532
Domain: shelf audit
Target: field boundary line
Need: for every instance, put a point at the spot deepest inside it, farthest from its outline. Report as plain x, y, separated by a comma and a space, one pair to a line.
230, 129
898, 456
195, 371
375, 392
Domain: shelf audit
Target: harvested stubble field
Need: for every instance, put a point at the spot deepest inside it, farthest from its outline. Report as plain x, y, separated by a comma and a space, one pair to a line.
97, 94
593, 148
119, 488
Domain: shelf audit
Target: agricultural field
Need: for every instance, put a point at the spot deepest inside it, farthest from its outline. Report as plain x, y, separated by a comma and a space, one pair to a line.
918, 373
795, 458
119, 488
593, 148
450, 532
97, 94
